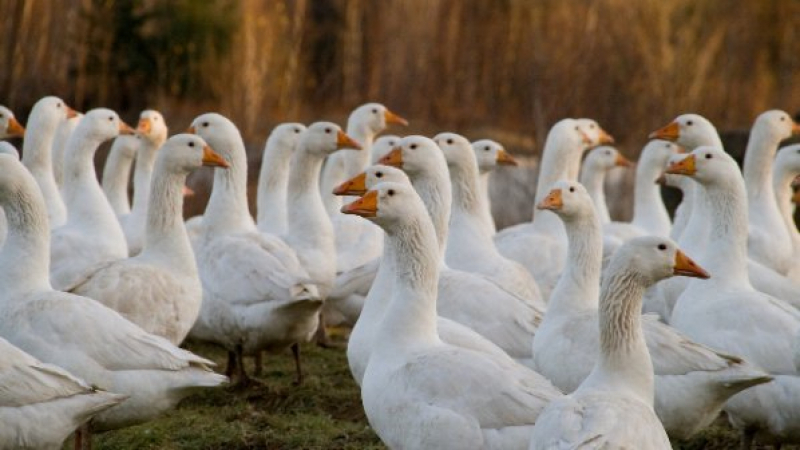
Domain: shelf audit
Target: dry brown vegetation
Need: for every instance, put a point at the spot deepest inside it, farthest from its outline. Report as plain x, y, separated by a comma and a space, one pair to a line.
503, 68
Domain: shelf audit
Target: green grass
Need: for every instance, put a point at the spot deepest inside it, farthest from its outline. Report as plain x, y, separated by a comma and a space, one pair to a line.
323, 413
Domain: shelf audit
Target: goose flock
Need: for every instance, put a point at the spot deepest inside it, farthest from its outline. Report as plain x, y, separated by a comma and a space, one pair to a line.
570, 331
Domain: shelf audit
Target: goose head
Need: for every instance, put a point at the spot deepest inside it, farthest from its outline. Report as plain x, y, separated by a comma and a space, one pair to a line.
594, 132
416, 155
324, 138
604, 158
219, 132
656, 258
457, 150
382, 146
9, 126
361, 183
184, 153
103, 124
375, 117
152, 126
657, 152
777, 124
788, 158
569, 132
287, 135
491, 154
673, 180
388, 205
50, 111
689, 131
8, 149
569, 200
706, 165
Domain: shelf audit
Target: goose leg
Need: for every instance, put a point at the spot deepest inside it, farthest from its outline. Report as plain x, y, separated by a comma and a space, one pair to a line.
321, 336
747, 439
231, 364
241, 372
296, 352
257, 360
83, 438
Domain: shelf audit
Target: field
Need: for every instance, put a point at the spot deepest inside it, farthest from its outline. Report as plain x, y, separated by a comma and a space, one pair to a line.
324, 413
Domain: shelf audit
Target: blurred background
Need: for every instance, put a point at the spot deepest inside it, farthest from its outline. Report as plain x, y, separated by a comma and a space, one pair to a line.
503, 69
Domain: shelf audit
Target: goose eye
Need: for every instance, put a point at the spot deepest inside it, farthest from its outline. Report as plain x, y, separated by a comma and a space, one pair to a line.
608, 152
391, 192
205, 124
191, 144
783, 119
662, 246
327, 130
486, 149
449, 142
413, 146
689, 123
576, 128
297, 130
709, 156
391, 143
572, 188
2, 116
379, 174
375, 111
591, 126
110, 119
58, 105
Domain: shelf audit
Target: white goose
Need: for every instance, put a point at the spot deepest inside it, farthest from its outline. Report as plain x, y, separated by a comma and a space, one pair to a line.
153, 132
418, 391
489, 154
511, 321
382, 146
117, 172
256, 295
5, 149
158, 289
42, 404
273, 179
43, 120
561, 158
469, 242
92, 233
59, 148
726, 312
79, 334
787, 168
692, 382
613, 407
473, 309
9, 126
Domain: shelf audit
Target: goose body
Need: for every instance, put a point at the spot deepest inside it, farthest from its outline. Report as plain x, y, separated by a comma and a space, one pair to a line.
613, 406
729, 314
92, 234
414, 386
79, 334
274, 177
117, 172
692, 382
256, 294
41, 404
159, 289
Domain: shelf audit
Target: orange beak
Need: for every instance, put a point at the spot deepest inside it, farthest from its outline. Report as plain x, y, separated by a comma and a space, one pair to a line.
670, 132
553, 201
505, 159
686, 166
213, 159
125, 129
795, 128
366, 206
394, 158
394, 118
15, 129
354, 186
622, 161
605, 138
71, 113
191, 130
144, 126
345, 141
188, 192
684, 266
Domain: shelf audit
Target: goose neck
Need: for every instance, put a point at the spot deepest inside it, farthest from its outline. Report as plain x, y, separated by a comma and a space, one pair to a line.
308, 223
435, 190
143, 173
411, 317
227, 208
38, 141
726, 252
579, 284
593, 178
781, 182
357, 161
561, 160
115, 178
758, 161
649, 211
79, 172
483, 191
694, 237
29, 235
468, 200
380, 293
272, 189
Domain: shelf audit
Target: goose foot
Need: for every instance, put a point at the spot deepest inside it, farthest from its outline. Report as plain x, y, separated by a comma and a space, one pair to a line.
747, 439
299, 370
83, 438
239, 377
259, 363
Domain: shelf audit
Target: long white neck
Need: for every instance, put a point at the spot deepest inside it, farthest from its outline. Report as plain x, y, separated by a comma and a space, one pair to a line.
380, 293
782, 178
143, 172
578, 287
63, 131
624, 362
227, 209
357, 161
308, 224
684, 210
483, 189
435, 190
758, 160
593, 178
272, 188
28, 235
411, 318
469, 203
726, 255
165, 237
116, 174
37, 157
558, 157
694, 237
649, 211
